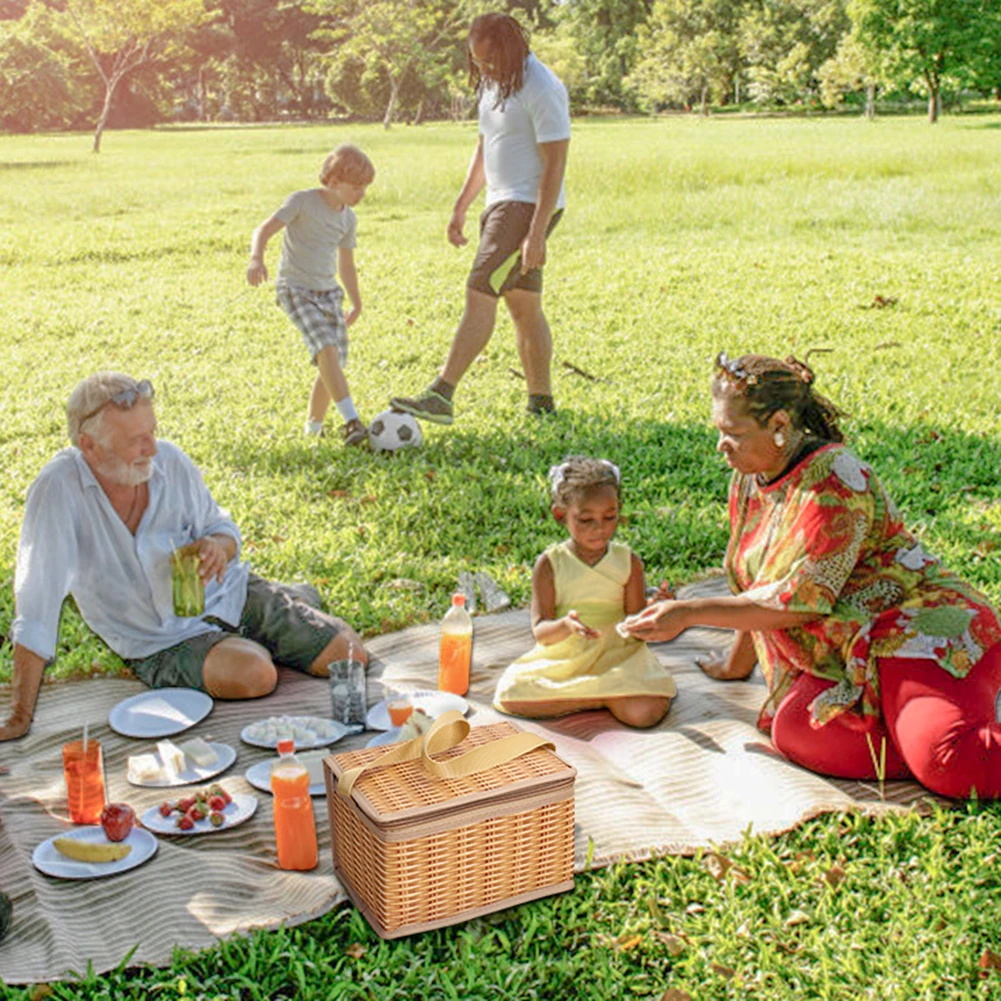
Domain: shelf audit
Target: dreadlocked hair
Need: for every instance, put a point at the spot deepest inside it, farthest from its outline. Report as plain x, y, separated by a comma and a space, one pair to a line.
507, 43
578, 475
768, 385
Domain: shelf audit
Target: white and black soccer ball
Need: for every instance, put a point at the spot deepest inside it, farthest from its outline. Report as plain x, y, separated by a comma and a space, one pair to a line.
392, 430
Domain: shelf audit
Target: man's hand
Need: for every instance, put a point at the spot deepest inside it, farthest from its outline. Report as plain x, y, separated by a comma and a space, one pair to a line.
455, 227
578, 628
212, 558
533, 251
257, 272
352, 315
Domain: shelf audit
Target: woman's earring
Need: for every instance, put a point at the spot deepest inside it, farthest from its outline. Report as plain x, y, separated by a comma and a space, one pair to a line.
780, 440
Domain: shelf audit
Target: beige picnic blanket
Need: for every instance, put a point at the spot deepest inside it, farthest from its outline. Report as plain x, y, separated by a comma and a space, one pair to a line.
701, 777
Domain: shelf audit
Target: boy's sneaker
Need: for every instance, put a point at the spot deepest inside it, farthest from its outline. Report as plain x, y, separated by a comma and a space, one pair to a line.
354, 432
429, 406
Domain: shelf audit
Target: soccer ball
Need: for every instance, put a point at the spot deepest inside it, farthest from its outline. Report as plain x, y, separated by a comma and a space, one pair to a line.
392, 430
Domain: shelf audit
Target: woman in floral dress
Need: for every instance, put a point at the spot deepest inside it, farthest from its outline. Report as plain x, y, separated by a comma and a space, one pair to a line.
877, 658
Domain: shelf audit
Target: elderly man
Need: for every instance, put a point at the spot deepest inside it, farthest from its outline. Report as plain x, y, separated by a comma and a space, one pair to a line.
100, 523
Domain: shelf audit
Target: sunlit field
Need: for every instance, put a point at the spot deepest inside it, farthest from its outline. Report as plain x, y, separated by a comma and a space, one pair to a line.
878, 241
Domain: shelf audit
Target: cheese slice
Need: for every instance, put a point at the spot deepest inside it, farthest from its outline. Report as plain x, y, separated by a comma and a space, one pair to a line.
200, 752
172, 757
145, 768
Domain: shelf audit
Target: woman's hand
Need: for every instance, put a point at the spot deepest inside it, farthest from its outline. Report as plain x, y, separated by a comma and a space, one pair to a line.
578, 628
658, 622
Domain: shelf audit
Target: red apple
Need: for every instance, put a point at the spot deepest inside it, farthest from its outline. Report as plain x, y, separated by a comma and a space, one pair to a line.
117, 820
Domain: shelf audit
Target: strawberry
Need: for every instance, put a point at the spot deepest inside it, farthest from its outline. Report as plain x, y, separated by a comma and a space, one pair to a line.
226, 796
217, 819
185, 823
185, 804
166, 809
217, 804
198, 811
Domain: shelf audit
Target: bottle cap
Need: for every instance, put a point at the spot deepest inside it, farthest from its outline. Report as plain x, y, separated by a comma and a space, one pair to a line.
286, 746
459, 599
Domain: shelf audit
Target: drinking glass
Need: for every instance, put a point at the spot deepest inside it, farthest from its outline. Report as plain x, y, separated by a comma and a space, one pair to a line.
83, 770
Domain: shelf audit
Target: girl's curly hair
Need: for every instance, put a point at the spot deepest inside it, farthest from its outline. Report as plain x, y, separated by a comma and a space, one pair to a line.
578, 475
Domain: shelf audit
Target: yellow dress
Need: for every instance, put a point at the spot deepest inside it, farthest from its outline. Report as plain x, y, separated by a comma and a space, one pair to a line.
577, 668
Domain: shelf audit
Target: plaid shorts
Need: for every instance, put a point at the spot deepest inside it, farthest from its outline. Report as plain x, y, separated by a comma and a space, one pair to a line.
319, 315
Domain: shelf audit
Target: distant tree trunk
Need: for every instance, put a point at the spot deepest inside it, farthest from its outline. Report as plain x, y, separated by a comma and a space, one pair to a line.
704, 108
394, 90
418, 114
934, 99
736, 90
109, 96
870, 101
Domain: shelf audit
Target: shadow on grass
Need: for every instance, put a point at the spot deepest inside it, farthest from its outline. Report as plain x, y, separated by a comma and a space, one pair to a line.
37, 164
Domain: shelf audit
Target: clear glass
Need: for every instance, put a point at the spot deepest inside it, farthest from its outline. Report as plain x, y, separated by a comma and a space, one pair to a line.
189, 591
84, 775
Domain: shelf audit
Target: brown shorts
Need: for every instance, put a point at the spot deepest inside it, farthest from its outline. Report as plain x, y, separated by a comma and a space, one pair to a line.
497, 268
275, 615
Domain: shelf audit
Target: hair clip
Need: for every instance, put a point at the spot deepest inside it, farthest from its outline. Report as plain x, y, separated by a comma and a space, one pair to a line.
556, 475
615, 470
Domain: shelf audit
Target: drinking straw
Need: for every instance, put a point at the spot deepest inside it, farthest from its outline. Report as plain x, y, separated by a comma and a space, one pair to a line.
85, 738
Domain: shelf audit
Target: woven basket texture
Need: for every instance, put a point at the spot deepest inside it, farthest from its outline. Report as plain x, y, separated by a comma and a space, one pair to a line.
407, 786
430, 879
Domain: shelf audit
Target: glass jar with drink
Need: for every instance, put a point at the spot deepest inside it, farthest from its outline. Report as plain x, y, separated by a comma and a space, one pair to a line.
83, 769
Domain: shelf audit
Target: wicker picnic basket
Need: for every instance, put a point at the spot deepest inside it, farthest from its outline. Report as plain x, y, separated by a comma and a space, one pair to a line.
451, 825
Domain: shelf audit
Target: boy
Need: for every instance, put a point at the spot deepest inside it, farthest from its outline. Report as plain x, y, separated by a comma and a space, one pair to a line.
316, 222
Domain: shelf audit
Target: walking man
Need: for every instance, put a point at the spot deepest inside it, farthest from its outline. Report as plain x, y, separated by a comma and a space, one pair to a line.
521, 156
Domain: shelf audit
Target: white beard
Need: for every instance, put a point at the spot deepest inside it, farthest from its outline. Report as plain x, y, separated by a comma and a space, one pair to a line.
125, 474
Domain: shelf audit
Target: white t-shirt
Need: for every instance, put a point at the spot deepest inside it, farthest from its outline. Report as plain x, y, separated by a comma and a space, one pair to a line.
313, 233
538, 113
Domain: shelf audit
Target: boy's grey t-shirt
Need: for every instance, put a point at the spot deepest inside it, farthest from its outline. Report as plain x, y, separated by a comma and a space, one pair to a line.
313, 234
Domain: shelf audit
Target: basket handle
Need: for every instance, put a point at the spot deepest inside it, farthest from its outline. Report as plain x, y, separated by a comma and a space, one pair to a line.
447, 731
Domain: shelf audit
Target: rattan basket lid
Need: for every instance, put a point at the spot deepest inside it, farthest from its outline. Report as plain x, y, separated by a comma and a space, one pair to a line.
406, 790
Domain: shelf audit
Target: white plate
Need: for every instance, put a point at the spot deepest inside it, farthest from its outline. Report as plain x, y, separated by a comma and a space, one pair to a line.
225, 756
259, 776
342, 731
160, 713
48, 859
434, 703
242, 808
390, 736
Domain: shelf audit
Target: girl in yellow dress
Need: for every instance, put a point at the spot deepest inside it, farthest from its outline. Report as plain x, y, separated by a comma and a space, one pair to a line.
581, 589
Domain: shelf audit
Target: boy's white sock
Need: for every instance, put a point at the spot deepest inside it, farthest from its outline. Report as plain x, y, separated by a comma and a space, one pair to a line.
346, 409
314, 427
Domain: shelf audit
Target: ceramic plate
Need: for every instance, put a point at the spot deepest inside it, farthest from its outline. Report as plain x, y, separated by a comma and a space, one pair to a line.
259, 776
160, 713
48, 859
242, 808
339, 730
432, 702
390, 736
225, 756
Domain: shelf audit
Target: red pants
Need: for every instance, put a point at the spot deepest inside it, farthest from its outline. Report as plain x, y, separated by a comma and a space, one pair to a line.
938, 729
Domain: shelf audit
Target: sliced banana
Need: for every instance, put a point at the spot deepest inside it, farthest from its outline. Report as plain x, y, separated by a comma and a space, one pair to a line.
90, 851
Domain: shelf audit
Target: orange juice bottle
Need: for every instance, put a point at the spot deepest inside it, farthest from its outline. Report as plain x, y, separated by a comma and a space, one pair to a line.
455, 652
295, 829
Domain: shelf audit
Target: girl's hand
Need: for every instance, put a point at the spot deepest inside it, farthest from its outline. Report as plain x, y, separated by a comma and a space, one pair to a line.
658, 622
664, 592
578, 628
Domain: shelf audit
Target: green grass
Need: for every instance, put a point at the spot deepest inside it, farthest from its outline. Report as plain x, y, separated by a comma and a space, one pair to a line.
682, 237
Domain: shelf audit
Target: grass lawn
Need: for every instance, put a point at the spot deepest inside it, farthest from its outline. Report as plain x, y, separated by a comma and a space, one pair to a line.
879, 241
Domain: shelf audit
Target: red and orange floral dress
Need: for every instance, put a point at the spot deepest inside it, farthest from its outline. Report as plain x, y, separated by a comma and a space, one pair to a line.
825, 538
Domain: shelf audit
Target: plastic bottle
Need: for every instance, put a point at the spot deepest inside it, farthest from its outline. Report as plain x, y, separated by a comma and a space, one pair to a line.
456, 649
295, 829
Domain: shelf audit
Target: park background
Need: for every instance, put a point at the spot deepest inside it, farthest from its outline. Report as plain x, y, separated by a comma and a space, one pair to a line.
877, 240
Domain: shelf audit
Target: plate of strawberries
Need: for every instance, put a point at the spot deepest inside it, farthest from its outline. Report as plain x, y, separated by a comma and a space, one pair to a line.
202, 812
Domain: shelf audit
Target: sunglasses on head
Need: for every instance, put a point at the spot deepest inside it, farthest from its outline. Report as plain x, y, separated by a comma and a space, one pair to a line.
125, 399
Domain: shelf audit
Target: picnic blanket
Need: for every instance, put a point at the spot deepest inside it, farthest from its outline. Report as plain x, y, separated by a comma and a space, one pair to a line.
701, 777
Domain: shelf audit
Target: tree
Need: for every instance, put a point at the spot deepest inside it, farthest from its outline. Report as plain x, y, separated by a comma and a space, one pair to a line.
851, 68
687, 52
605, 35
36, 72
924, 43
126, 34
384, 44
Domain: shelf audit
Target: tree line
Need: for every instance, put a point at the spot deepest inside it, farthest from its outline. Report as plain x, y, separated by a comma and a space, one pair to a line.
91, 63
